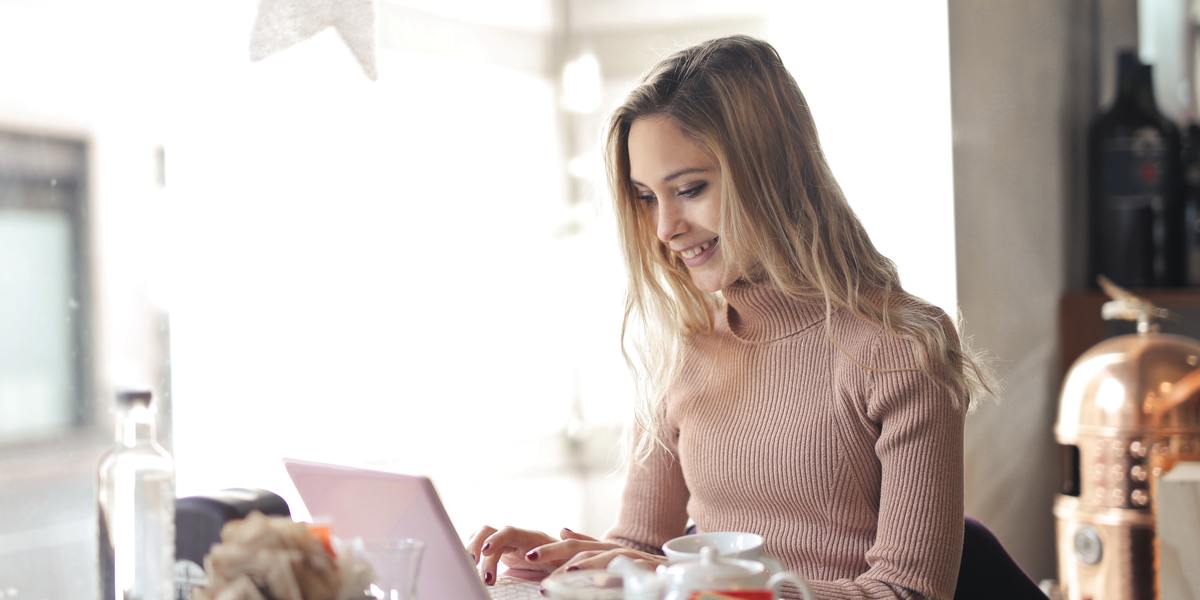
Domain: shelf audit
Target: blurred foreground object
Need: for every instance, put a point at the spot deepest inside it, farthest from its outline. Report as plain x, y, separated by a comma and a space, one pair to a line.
274, 558
1129, 408
198, 524
1177, 501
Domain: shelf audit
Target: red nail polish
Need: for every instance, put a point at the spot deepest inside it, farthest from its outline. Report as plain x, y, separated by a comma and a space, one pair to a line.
487, 577
569, 569
532, 555
486, 546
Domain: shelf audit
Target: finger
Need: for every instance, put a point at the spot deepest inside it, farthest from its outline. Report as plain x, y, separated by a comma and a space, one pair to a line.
559, 552
648, 565
599, 561
567, 534
510, 538
571, 565
487, 566
476, 541
526, 574
514, 559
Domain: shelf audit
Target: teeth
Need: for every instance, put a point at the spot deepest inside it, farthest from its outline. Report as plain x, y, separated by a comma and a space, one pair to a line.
693, 252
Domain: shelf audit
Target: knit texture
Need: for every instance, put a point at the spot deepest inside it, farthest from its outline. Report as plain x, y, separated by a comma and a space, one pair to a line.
853, 476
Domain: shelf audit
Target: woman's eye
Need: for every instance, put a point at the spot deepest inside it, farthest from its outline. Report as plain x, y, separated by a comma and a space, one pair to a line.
646, 198
693, 191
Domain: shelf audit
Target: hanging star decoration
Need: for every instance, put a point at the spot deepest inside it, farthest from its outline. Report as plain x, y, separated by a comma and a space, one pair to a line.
285, 23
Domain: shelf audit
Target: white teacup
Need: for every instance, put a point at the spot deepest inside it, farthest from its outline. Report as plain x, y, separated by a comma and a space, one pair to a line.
729, 544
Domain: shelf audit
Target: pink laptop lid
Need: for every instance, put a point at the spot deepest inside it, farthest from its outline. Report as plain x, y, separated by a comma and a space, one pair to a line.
377, 504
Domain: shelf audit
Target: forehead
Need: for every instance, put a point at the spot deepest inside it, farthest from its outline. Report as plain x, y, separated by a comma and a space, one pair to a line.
658, 147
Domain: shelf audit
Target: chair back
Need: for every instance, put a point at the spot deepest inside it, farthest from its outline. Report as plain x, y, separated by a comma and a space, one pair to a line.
987, 571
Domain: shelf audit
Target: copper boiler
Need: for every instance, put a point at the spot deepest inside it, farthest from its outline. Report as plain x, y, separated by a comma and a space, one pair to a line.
1129, 408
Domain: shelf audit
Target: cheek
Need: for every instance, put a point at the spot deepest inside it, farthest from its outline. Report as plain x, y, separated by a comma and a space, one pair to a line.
712, 213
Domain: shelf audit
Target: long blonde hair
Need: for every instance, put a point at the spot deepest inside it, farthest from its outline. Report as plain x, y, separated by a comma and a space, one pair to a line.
781, 212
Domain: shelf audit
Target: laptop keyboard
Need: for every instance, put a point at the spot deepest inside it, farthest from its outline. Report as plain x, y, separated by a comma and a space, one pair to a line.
512, 588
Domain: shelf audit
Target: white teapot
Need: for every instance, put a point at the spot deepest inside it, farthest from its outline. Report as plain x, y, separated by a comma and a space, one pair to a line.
710, 573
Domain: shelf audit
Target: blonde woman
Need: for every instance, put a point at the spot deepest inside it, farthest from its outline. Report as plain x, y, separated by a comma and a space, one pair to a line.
793, 388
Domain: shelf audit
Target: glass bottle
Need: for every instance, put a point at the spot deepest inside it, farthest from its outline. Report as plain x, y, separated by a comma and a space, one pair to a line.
135, 503
1191, 205
1135, 178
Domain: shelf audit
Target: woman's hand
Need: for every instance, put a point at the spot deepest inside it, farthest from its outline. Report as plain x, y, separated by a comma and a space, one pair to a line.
490, 546
536, 552
588, 553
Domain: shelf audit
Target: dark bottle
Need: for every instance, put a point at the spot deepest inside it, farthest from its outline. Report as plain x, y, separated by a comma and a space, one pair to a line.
1191, 204
1135, 203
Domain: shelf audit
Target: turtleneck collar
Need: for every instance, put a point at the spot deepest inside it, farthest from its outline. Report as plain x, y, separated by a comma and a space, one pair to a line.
760, 312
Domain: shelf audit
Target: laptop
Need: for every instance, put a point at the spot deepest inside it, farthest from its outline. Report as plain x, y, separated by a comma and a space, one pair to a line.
372, 504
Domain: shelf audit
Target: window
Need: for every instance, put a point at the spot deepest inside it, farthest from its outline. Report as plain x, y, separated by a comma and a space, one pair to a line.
43, 351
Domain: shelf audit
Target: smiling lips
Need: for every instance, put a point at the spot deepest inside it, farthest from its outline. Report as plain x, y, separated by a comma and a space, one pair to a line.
694, 250
698, 251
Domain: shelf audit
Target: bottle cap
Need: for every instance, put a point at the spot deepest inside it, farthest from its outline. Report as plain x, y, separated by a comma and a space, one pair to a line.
134, 397
1127, 58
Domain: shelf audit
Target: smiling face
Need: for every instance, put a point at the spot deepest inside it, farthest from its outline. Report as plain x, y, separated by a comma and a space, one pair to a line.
679, 187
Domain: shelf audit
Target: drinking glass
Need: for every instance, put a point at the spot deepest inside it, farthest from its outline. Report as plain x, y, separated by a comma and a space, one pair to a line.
397, 564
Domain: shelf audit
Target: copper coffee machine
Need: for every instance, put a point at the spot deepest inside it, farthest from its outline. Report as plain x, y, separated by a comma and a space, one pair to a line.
1129, 409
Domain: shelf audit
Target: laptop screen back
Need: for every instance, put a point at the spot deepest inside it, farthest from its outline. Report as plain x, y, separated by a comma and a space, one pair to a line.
380, 505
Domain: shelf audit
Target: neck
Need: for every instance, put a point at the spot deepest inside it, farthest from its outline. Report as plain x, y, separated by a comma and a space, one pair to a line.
136, 426
1135, 88
761, 312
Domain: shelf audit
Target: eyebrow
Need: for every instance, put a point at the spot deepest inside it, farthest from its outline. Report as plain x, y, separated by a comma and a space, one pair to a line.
675, 175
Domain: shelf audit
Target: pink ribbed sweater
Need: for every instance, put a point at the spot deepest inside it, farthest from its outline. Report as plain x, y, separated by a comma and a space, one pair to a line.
854, 477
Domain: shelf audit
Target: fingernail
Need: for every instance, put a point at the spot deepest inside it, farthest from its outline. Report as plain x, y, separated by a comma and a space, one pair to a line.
568, 530
569, 569
487, 577
532, 555
487, 546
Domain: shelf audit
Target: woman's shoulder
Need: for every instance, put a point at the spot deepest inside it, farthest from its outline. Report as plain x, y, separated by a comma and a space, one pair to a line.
871, 341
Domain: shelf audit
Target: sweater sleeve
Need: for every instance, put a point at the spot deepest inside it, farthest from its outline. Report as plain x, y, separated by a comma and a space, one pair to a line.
918, 542
654, 504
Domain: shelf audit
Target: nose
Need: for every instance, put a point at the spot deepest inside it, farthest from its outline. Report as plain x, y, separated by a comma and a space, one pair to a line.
670, 220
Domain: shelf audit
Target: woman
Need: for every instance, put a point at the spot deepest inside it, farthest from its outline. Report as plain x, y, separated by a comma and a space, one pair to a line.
793, 389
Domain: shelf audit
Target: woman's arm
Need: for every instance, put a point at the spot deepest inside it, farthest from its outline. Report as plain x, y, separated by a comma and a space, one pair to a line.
653, 510
918, 543
654, 504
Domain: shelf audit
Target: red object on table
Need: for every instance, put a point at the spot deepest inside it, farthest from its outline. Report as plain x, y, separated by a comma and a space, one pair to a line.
321, 532
733, 595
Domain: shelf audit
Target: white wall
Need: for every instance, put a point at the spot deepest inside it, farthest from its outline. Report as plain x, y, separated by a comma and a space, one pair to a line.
877, 78
1022, 83
370, 272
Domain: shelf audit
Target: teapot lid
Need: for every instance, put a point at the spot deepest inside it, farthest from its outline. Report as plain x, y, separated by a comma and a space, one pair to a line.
1126, 306
1132, 385
712, 568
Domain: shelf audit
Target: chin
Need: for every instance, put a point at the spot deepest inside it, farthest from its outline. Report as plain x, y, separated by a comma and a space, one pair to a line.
707, 283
